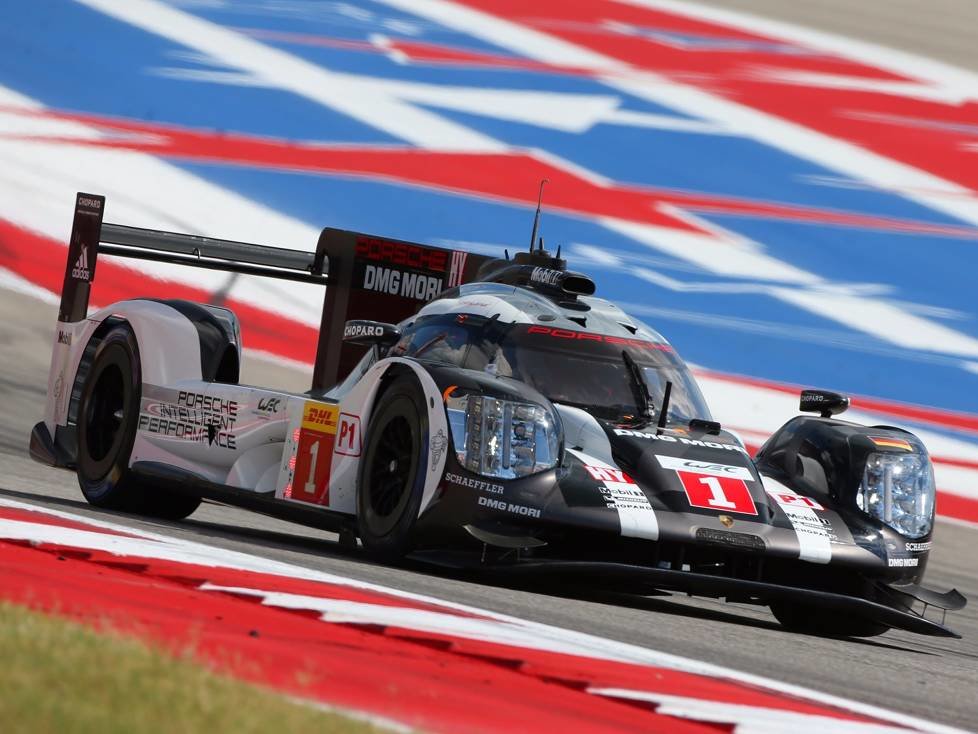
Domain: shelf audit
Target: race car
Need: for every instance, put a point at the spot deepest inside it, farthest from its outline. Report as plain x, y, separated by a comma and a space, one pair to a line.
489, 413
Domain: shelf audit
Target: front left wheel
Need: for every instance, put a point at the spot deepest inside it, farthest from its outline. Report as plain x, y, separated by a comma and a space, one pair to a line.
108, 415
393, 470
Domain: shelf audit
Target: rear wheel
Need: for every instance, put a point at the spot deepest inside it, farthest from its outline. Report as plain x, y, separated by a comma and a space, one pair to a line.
814, 621
393, 470
108, 414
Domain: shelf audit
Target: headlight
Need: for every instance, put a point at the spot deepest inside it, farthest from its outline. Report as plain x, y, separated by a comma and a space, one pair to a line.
502, 438
899, 490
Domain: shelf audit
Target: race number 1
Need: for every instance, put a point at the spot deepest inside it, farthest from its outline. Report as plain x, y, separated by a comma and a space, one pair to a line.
314, 453
724, 494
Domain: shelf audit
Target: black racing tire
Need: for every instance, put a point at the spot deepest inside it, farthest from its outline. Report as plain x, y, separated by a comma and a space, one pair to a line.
823, 623
393, 471
108, 416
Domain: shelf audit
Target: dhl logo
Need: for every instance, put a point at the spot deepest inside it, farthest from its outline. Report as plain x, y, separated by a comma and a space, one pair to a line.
320, 417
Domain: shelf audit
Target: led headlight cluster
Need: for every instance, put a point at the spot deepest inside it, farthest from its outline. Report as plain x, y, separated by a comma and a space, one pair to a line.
502, 438
899, 490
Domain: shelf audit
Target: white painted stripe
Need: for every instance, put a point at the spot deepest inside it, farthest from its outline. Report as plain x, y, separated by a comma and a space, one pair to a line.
582, 644
956, 480
883, 320
720, 252
340, 611
12, 281
880, 319
813, 538
366, 103
38, 182
747, 719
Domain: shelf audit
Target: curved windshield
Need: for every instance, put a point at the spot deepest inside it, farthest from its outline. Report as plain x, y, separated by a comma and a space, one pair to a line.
613, 378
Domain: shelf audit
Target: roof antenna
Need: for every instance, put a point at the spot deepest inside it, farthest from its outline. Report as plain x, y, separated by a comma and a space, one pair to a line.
536, 218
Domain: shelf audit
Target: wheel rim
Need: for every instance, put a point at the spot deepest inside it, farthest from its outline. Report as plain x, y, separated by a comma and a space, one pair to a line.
391, 470
106, 413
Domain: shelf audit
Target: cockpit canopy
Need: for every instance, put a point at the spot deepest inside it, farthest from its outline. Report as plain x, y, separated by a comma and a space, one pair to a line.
590, 370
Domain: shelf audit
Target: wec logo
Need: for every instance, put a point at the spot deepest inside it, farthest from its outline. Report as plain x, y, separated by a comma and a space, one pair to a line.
708, 468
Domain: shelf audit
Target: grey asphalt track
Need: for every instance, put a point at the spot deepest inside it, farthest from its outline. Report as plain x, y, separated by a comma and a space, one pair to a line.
929, 677
946, 30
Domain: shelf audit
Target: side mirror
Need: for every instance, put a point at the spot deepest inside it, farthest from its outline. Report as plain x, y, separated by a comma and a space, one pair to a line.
368, 333
824, 402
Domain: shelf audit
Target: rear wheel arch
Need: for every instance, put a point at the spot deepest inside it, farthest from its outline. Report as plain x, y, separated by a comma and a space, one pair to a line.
108, 416
86, 359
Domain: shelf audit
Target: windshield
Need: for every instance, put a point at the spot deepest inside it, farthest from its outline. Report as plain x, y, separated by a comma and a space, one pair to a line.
581, 369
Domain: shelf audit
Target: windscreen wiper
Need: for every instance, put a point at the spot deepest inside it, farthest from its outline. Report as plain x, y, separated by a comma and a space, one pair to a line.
639, 387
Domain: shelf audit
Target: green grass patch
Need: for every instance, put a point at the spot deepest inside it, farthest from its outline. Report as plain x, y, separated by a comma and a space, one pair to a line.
59, 676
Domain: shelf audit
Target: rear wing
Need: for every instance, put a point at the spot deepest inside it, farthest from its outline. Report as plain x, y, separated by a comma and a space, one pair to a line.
366, 276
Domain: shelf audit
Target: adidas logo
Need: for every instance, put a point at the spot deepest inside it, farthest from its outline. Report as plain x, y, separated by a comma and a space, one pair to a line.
80, 271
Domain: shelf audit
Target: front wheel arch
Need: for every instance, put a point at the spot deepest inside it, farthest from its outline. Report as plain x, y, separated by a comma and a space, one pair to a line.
394, 467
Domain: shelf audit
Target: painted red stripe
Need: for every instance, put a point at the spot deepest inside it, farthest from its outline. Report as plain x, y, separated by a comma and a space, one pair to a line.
957, 507
39, 259
194, 575
418, 52
585, 672
361, 668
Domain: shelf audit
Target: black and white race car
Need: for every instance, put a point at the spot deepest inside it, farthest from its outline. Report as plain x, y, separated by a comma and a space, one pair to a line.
483, 412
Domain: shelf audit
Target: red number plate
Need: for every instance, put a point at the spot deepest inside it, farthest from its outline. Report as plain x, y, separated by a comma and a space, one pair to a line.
314, 455
722, 494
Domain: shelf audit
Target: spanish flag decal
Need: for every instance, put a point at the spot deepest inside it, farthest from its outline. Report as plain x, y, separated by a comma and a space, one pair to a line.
887, 442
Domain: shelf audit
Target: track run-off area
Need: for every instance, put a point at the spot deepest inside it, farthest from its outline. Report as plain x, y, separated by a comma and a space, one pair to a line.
788, 206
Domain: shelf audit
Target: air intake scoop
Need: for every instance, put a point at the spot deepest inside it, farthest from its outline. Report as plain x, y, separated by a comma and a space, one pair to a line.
539, 271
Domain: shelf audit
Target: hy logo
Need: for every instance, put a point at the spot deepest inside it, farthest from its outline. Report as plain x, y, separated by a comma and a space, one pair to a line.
81, 271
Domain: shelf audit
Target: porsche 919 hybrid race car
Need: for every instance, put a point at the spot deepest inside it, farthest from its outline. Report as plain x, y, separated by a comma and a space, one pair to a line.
489, 413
